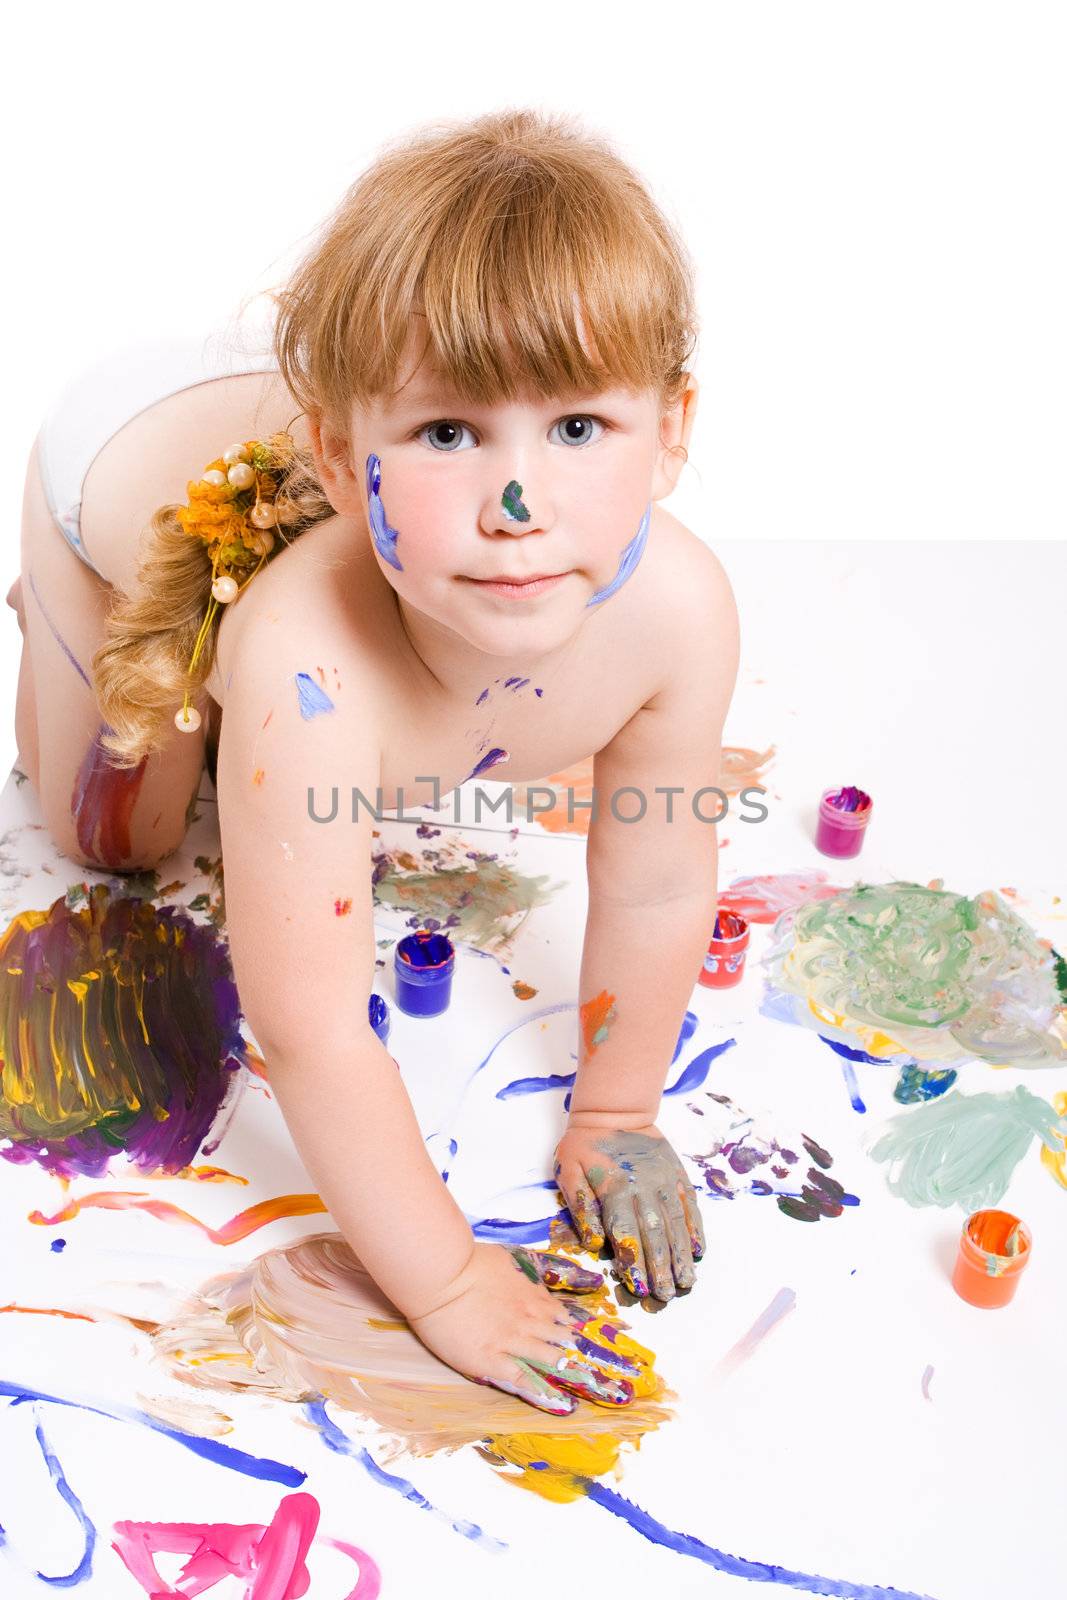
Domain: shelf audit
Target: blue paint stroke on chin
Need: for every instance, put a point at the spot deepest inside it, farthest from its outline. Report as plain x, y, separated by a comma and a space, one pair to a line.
312, 698
628, 561
337, 1440
384, 536
685, 1544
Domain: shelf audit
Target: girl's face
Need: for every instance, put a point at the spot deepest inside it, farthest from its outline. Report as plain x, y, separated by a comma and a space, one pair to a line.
459, 496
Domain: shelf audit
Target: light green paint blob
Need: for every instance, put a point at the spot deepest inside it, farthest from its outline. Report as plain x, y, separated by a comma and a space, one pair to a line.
920, 963
489, 898
962, 1149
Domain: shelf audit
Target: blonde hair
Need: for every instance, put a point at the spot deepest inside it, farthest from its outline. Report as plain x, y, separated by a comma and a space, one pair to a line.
537, 262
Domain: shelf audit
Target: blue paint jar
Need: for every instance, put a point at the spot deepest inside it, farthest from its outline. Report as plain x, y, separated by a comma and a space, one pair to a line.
423, 965
378, 1016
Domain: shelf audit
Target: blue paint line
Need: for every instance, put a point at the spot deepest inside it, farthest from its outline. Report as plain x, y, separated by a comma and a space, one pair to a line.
313, 700
697, 1070
337, 1440
848, 1072
520, 1086
58, 637
628, 560
83, 1570
689, 1027
223, 1455
685, 1544
383, 535
501, 1230
852, 1053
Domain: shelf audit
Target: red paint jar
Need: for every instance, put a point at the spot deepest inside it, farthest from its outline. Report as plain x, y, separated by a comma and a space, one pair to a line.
994, 1250
840, 833
724, 964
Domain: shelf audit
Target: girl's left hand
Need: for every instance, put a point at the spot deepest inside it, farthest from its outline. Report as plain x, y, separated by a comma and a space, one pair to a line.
629, 1187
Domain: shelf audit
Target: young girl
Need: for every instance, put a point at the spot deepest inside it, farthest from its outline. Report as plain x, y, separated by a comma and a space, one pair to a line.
487, 353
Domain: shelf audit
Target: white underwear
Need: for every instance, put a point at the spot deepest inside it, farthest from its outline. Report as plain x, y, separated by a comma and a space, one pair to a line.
102, 397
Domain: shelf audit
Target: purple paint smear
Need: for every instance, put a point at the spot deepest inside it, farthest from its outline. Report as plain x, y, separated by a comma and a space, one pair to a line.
159, 1024
492, 758
337, 1440
928, 1373
784, 1302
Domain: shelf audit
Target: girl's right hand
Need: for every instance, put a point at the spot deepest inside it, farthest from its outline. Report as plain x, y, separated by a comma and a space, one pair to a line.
498, 1324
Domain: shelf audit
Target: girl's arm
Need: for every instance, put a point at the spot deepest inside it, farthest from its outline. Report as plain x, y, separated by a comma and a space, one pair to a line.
299, 914
652, 899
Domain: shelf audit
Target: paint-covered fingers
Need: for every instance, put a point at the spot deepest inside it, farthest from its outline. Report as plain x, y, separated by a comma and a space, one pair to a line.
581, 1202
678, 1238
525, 1383
556, 1271
693, 1221
620, 1225
655, 1240
580, 1376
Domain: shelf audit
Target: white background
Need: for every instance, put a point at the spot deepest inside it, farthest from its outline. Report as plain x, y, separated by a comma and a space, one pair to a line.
872, 196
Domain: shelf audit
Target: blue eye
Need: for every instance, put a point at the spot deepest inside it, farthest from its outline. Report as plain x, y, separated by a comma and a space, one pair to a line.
443, 436
579, 438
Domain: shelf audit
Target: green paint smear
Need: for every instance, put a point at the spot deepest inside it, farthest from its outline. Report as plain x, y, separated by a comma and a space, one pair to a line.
489, 900
962, 1149
900, 956
511, 500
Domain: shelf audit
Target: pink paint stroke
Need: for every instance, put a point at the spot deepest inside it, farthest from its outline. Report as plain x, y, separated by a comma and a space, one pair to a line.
784, 1302
763, 899
270, 1559
927, 1375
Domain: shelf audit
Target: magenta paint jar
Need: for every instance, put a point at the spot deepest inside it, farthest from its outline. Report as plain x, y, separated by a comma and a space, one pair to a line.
724, 964
843, 818
422, 965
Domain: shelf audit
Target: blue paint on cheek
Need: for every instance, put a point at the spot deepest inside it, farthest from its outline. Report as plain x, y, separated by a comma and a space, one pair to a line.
384, 536
628, 561
313, 700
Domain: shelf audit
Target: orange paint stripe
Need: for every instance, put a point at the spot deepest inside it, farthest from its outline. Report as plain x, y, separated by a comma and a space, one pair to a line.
47, 1311
238, 1227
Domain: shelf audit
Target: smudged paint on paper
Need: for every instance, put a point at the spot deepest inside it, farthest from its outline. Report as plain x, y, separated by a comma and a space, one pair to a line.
962, 1149
304, 1324
385, 538
917, 1084
232, 1232
937, 976
223, 1455
741, 1147
478, 898
784, 1302
572, 792
338, 1441
119, 1034
928, 1373
1054, 1157
271, 1558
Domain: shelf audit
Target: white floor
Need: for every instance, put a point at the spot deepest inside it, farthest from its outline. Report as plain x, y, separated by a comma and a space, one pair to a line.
931, 676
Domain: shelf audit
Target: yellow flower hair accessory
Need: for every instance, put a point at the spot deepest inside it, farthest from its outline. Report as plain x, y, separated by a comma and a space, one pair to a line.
233, 507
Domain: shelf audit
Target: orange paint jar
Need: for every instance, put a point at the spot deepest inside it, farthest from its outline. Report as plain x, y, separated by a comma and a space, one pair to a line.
994, 1250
